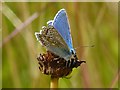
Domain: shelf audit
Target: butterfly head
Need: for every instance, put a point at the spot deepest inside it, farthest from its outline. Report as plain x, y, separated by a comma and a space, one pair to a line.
73, 61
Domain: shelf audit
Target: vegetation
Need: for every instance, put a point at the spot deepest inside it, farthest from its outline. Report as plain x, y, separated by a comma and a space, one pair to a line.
91, 24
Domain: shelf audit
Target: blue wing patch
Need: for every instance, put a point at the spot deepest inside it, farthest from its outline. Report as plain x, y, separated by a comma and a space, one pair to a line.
61, 24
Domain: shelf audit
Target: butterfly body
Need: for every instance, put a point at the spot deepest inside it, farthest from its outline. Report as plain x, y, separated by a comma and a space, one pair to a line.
56, 38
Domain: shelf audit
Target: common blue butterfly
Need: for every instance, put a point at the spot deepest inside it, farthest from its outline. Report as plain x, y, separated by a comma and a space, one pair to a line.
56, 38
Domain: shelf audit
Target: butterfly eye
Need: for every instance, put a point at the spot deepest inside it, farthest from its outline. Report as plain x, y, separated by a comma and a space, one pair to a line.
75, 55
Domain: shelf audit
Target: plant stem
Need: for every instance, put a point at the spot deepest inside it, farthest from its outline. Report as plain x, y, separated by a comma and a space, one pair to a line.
54, 83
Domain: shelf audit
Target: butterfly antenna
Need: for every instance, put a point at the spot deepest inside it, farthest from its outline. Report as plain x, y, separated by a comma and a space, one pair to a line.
85, 46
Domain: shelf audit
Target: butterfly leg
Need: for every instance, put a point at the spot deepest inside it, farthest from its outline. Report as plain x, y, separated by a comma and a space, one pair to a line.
73, 63
70, 63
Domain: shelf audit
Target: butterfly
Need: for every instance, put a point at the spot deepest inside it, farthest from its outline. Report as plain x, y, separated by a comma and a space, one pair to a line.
56, 38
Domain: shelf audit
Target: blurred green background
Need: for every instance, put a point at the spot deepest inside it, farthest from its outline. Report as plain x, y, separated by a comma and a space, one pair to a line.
91, 24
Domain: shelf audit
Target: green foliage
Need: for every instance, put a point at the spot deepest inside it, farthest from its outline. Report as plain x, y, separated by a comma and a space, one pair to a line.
91, 24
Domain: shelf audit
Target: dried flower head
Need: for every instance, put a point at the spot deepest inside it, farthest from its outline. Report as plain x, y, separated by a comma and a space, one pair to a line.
51, 64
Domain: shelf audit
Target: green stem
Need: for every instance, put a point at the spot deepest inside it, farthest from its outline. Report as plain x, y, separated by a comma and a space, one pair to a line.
54, 83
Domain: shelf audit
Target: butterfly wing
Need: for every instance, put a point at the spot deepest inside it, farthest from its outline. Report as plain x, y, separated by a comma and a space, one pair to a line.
61, 24
52, 40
